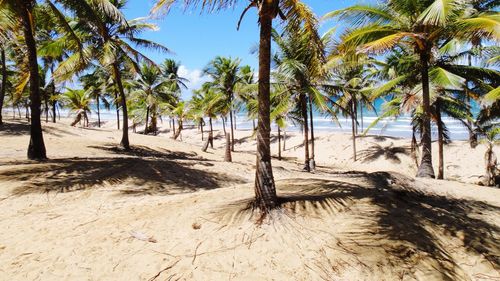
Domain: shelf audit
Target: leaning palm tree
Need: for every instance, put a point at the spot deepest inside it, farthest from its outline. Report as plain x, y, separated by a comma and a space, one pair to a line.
78, 103
420, 26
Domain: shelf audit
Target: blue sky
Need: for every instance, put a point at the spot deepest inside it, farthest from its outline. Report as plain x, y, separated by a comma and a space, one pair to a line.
195, 38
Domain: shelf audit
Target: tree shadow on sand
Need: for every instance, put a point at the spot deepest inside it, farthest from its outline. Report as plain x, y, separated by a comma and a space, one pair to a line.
389, 152
21, 128
151, 173
392, 216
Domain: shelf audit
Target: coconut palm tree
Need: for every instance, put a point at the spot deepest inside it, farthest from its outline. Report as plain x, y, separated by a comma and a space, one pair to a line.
107, 36
95, 85
150, 86
208, 103
23, 12
78, 102
224, 74
420, 26
295, 14
299, 72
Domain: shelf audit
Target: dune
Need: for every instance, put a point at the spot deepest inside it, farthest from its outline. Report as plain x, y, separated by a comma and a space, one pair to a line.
168, 211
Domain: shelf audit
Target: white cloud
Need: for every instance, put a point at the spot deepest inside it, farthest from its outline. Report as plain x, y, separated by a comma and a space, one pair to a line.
195, 77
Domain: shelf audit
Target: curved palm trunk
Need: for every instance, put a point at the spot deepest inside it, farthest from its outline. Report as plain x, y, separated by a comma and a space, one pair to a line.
312, 161
36, 148
210, 137
179, 129
224, 124
4, 81
491, 166
124, 142
265, 190
425, 170
440, 141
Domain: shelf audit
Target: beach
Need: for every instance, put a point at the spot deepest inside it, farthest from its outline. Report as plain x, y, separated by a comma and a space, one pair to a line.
168, 211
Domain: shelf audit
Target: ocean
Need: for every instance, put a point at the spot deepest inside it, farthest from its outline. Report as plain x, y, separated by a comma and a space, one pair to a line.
399, 127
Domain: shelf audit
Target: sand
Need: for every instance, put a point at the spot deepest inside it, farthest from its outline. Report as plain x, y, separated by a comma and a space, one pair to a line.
168, 211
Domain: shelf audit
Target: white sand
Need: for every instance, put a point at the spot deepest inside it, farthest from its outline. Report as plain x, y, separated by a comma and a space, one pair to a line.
334, 226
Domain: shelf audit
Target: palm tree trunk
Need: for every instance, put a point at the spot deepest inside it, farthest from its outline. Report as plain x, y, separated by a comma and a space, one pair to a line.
173, 126
227, 156
54, 111
355, 110
312, 161
211, 135
414, 147
265, 190
147, 119
353, 125
4, 81
117, 111
279, 143
232, 126
425, 170
124, 142
253, 124
98, 113
201, 127
224, 124
179, 129
36, 148
303, 107
440, 141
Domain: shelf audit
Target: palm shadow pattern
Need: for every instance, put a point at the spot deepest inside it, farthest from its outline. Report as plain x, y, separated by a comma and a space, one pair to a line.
394, 217
144, 171
389, 152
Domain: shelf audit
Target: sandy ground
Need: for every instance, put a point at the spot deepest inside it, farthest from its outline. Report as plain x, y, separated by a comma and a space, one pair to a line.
167, 211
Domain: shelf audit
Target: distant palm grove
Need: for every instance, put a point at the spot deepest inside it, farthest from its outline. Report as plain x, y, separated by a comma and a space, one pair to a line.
427, 59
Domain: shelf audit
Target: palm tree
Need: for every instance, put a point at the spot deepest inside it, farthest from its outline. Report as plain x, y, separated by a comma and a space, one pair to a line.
78, 102
151, 86
208, 103
95, 85
419, 26
107, 35
350, 81
296, 14
23, 10
224, 73
299, 71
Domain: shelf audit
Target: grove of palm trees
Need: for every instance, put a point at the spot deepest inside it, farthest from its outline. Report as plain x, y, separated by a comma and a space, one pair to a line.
249, 140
